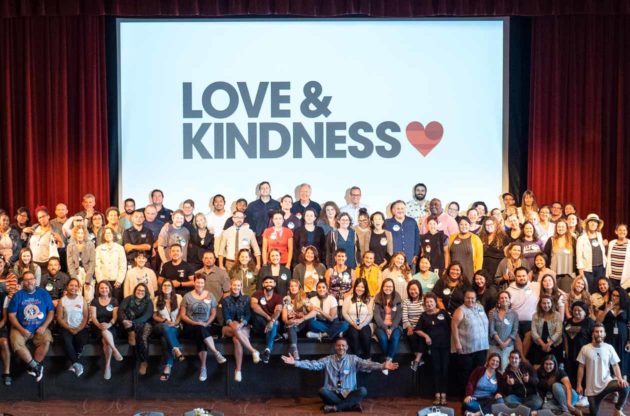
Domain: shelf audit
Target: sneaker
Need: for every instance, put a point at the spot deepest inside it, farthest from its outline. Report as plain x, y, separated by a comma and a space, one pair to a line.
256, 357
386, 372
78, 369
582, 402
39, 373
238, 376
32, 371
265, 356
314, 335
220, 358
107, 374
7, 379
619, 413
414, 365
72, 369
329, 409
203, 374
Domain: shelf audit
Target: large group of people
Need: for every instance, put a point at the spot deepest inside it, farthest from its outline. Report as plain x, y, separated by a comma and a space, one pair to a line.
528, 304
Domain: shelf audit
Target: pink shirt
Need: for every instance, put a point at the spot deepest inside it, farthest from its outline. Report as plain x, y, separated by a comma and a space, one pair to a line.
446, 223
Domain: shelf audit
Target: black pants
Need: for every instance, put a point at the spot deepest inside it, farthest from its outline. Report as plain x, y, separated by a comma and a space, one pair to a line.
142, 340
417, 343
360, 342
439, 366
466, 363
73, 343
332, 398
198, 333
613, 386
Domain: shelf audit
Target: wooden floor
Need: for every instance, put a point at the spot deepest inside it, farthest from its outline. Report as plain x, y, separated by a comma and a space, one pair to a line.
276, 407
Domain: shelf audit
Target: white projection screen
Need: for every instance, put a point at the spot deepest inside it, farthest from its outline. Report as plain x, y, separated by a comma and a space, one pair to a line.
217, 106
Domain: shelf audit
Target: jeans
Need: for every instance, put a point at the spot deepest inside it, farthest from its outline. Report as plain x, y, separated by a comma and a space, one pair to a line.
332, 398
168, 335
295, 330
259, 324
533, 401
613, 386
592, 277
389, 346
73, 343
483, 405
560, 395
503, 353
331, 328
360, 342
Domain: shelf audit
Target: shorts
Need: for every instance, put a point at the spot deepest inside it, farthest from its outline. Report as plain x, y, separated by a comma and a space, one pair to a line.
18, 341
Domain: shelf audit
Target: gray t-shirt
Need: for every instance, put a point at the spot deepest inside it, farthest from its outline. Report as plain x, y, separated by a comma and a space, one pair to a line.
199, 310
170, 235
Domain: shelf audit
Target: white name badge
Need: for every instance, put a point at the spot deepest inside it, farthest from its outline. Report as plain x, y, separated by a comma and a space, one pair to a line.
457, 241
506, 321
263, 301
273, 236
109, 308
396, 227
440, 317
383, 241
49, 287
595, 244
283, 276
244, 242
394, 309
290, 225
249, 275
431, 285
447, 291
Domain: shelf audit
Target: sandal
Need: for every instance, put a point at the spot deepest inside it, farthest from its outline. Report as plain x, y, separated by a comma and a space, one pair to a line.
179, 356
165, 375
437, 400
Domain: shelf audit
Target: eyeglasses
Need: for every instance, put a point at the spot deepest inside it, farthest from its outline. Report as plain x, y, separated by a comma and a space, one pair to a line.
355, 194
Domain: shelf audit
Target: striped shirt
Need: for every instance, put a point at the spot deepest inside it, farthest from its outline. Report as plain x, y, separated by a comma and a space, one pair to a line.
617, 259
411, 312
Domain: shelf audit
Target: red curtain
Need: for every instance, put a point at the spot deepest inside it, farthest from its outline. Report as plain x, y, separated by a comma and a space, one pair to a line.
579, 147
53, 118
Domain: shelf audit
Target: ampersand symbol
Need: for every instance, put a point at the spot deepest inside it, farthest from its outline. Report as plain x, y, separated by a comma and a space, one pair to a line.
312, 90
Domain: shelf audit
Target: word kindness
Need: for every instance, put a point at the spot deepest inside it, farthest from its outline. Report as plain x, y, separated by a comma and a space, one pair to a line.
273, 138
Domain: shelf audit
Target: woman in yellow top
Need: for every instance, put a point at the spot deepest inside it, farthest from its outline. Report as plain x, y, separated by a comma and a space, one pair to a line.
467, 249
370, 272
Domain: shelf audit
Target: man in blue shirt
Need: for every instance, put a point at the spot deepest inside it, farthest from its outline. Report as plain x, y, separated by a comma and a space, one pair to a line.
31, 310
405, 232
340, 392
304, 201
259, 211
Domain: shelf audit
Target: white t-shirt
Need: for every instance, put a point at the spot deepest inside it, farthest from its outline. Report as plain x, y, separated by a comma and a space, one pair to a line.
524, 300
73, 310
597, 362
328, 303
217, 222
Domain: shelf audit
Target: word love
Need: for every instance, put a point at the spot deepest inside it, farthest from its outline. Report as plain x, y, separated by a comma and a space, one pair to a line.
211, 129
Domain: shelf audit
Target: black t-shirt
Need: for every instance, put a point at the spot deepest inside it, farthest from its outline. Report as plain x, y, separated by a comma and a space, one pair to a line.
438, 327
547, 380
181, 273
54, 285
135, 237
379, 249
104, 313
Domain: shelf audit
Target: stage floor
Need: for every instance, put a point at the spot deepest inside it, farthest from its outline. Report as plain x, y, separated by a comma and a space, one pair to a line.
403, 406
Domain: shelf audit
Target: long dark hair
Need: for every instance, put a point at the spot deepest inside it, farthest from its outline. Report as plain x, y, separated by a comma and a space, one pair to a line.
161, 299
365, 297
381, 297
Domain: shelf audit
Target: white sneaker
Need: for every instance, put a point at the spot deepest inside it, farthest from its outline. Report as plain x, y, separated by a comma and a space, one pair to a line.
203, 374
582, 402
314, 335
108, 373
386, 372
256, 357
72, 369
238, 376
78, 369
220, 358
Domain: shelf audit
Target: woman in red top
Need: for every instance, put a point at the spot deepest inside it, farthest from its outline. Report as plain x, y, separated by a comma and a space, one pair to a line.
279, 238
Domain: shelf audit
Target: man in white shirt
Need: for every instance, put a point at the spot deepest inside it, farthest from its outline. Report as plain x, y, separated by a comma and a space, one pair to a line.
524, 297
354, 204
418, 207
216, 219
595, 361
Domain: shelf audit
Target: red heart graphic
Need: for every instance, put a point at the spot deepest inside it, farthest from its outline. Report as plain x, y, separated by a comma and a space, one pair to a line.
424, 139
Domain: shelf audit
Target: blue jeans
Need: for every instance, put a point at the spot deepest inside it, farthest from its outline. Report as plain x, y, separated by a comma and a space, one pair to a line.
389, 346
331, 328
592, 277
533, 401
560, 395
259, 323
168, 335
